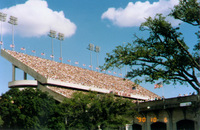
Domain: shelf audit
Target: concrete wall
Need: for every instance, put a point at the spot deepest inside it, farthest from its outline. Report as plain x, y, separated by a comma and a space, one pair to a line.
170, 115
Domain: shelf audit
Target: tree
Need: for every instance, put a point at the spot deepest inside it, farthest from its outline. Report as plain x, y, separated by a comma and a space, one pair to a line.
163, 54
1, 122
189, 12
29, 109
88, 111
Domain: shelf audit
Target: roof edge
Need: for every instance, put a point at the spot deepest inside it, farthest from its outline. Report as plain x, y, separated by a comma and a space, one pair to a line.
88, 88
23, 67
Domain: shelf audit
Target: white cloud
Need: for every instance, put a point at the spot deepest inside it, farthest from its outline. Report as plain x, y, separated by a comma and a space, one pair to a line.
135, 13
36, 19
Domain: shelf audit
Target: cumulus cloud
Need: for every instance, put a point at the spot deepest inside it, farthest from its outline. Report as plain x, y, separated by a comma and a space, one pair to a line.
36, 19
135, 13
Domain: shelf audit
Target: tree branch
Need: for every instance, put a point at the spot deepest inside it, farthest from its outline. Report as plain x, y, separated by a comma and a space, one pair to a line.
188, 74
188, 21
148, 61
191, 83
178, 78
192, 59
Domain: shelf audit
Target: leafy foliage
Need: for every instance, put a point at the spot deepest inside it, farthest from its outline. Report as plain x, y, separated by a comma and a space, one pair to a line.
1, 121
29, 109
33, 109
88, 111
187, 11
163, 54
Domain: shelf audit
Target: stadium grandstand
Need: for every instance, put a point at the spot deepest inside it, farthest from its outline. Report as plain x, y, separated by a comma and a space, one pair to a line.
62, 80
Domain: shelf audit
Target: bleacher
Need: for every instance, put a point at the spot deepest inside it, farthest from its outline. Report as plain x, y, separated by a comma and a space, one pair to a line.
68, 74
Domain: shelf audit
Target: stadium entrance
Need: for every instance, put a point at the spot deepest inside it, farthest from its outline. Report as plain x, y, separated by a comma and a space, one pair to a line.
159, 126
185, 125
137, 127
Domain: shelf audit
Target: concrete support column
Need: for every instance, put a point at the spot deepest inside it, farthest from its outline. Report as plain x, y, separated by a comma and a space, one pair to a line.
148, 123
170, 119
128, 127
145, 122
55, 95
25, 76
13, 72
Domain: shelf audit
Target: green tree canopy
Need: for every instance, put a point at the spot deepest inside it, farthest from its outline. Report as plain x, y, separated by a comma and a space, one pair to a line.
88, 111
163, 54
1, 122
189, 11
29, 109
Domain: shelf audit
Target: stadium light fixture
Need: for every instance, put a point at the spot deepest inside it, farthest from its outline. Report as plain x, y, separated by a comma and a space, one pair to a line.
13, 21
61, 38
91, 48
97, 50
2, 19
52, 34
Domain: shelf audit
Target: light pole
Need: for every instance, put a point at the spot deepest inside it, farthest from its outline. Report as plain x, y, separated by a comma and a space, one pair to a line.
52, 34
97, 50
2, 19
61, 38
13, 21
91, 48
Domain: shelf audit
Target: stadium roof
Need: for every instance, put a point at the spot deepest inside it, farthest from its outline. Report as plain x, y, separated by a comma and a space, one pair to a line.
64, 79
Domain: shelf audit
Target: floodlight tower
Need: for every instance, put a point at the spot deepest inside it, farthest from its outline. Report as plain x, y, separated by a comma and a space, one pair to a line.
97, 50
52, 34
2, 19
61, 38
91, 48
13, 21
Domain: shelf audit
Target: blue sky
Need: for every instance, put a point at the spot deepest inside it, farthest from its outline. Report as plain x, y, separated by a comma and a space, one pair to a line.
104, 23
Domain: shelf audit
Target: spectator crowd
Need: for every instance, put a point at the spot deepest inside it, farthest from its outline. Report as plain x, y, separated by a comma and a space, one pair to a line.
76, 75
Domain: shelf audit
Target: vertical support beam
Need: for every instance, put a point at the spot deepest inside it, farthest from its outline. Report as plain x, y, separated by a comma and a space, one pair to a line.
13, 37
148, 123
25, 76
128, 127
97, 63
91, 60
13, 72
170, 119
61, 60
198, 122
52, 48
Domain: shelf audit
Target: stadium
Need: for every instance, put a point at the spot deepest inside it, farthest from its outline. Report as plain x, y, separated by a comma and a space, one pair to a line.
62, 80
